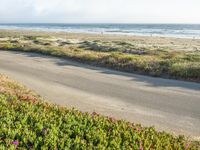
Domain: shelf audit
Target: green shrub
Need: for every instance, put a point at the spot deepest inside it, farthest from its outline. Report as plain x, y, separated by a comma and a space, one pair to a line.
36, 125
186, 70
26, 122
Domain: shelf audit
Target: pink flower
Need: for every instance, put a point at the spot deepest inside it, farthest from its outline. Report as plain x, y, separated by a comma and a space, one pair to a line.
138, 129
187, 145
15, 143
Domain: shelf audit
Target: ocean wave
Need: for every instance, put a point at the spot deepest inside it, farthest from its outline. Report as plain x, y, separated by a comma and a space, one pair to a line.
165, 30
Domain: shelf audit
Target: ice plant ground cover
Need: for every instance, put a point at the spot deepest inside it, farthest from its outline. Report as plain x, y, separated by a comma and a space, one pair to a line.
27, 122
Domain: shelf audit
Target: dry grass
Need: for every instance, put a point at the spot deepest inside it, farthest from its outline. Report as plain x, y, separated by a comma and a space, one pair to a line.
137, 56
13, 88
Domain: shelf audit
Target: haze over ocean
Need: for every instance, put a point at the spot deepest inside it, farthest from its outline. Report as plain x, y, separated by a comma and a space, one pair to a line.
162, 30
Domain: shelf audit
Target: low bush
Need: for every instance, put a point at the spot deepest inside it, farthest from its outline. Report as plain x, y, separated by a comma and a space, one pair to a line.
155, 62
28, 123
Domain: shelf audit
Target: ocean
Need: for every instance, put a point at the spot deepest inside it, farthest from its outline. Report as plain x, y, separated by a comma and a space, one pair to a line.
161, 30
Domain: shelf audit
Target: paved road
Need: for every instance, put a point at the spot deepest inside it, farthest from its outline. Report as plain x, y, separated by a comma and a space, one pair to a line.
167, 104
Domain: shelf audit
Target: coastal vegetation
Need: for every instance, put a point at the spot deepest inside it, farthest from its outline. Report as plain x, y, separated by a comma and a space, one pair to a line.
27, 122
124, 55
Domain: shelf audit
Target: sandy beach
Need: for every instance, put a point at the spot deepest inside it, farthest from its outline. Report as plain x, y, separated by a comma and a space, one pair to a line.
176, 58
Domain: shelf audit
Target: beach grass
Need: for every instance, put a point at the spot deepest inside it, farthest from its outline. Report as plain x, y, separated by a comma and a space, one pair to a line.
125, 55
27, 122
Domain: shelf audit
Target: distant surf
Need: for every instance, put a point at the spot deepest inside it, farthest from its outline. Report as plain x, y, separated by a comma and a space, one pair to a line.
161, 30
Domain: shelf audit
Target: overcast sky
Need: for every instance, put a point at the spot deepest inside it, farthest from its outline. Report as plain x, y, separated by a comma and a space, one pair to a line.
100, 11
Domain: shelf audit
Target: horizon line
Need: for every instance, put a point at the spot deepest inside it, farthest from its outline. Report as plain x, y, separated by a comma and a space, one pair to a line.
89, 23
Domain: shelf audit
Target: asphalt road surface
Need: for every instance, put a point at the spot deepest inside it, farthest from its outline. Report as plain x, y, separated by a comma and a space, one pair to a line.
169, 105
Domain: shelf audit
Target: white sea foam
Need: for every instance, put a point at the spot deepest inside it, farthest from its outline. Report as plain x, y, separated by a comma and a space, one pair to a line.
162, 30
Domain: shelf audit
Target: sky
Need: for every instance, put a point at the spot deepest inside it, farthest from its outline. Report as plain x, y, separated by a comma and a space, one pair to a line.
99, 11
